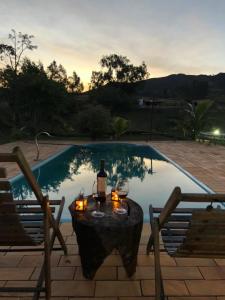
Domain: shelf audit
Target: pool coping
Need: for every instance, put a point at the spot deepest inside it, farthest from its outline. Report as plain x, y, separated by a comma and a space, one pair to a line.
189, 175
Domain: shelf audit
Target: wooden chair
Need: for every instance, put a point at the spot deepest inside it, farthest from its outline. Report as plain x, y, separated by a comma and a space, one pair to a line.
28, 223
186, 232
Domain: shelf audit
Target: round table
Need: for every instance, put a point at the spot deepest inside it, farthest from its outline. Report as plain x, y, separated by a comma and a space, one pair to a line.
97, 237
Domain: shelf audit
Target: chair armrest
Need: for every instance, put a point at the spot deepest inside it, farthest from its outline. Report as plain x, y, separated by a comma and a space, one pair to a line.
35, 202
170, 206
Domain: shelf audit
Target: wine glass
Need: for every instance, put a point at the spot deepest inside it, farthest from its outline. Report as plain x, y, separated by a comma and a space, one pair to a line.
122, 188
96, 213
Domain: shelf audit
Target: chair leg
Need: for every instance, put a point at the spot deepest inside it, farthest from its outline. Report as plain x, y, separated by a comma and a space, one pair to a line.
47, 259
150, 244
58, 233
159, 290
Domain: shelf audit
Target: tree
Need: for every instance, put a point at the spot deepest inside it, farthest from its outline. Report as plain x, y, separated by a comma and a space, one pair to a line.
196, 117
57, 73
117, 68
12, 54
113, 98
40, 102
74, 85
120, 126
94, 121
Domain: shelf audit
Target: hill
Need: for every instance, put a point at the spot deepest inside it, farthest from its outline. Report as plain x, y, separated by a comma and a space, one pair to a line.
182, 86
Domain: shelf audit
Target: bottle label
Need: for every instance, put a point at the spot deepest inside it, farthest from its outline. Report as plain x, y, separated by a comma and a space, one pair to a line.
101, 184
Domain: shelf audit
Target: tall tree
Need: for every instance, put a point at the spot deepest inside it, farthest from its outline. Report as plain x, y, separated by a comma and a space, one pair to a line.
117, 68
74, 85
57, 72
11, 54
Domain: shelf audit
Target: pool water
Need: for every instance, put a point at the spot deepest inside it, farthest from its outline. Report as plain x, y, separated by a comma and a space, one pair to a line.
151, 176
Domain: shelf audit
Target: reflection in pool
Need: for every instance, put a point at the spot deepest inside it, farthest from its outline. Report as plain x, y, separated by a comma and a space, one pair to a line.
151, 177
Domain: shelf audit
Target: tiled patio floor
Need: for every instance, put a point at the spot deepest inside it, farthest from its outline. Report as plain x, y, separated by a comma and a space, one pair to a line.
197, 279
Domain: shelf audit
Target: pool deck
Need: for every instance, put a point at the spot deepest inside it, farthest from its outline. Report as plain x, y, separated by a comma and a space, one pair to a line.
185, 279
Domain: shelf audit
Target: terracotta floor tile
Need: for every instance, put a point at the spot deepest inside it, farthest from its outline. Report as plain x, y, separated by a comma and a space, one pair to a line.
220, 261
15, 273
10, 261
36, 261
103, 273
95, 298
137, 298
213, 272
112, 260
71, 240
206, 287
66, 229
70, 261
57, 273
181, 273
117, 288
193, 298
148, 260
18, 283
185, 262
172, 288
73, 288
142, 272
72, 249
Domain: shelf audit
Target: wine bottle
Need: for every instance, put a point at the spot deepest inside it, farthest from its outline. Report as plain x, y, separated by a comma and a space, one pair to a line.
101, 182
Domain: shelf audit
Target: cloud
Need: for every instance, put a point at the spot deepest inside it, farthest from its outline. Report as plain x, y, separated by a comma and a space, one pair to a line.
170, 36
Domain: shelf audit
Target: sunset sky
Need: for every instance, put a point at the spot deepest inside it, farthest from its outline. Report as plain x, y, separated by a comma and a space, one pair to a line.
171, 36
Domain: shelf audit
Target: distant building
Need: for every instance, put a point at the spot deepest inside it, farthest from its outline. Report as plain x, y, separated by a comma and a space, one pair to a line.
148, 102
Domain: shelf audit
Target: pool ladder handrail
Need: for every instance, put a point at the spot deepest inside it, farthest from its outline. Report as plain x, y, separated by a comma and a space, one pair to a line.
36, 142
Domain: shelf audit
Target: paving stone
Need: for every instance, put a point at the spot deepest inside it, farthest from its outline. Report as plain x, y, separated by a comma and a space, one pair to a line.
142, 272
172, 288
166, 260
103, 273
137, 298
95, 298
220, 261
213, 272
37, 261
19, 283
70, 261
206, 287
66, 229
57, 273
10, 261
71, 240
193, 298
15, 273
117, 288
72, 249
185, 262
142, 249
112, 260
181, 273
73, 288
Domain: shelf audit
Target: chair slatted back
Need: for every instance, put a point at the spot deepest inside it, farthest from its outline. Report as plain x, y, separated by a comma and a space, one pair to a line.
192, 232
206, 235
19, 226
5, 187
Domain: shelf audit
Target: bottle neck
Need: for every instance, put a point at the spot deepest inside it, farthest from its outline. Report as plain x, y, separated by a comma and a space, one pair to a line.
102, 165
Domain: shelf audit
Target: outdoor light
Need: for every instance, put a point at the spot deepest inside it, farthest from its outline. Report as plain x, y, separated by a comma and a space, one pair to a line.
114, 195
216, 132
80, 203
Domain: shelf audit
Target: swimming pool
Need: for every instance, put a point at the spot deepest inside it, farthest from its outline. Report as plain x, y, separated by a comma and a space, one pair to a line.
151, 175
